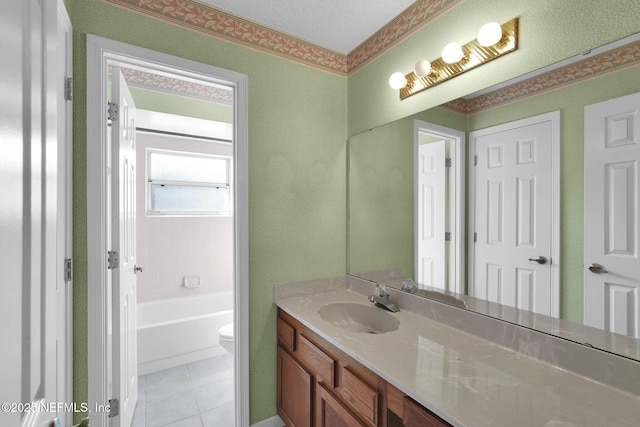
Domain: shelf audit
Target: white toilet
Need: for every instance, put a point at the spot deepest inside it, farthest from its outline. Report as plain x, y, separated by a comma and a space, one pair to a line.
225, 337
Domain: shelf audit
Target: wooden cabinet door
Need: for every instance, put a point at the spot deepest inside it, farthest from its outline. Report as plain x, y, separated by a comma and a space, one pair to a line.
331, 413
417, 416
294, 391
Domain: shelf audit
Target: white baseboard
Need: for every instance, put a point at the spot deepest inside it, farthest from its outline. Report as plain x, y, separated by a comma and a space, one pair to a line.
270, 422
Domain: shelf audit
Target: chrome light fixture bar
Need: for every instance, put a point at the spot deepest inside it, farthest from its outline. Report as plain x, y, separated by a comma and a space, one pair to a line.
473, 55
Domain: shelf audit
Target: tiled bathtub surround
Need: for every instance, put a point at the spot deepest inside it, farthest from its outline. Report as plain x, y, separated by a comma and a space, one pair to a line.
170, 248
518, 361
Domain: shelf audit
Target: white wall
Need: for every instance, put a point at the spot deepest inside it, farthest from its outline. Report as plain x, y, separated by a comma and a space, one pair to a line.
169, 248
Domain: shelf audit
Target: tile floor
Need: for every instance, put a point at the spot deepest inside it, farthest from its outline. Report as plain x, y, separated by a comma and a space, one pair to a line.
198, 394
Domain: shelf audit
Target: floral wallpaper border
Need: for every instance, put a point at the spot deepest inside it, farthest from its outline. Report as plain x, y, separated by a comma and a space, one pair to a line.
214, 22
174, 86
597, 66
415, 17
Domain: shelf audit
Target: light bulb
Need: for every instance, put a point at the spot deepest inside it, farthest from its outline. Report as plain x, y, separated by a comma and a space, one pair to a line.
422, 68
490, 34
397, 81
452, 53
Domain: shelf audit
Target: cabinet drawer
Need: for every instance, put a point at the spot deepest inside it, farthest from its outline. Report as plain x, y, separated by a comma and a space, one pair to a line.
361, 396
331, 413
322, 365
417, 416
286, 335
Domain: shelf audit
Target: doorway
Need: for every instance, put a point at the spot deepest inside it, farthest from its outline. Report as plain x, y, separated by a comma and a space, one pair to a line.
104, 363
439, 212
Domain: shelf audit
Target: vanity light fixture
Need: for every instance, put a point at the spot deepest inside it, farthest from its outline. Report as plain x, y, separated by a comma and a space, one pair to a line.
397, 81
452, 53
489, 34
421, 69
494, 40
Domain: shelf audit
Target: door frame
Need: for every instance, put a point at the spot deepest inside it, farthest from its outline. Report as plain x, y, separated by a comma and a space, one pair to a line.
65, 210
99, 52
456, 197
554, 118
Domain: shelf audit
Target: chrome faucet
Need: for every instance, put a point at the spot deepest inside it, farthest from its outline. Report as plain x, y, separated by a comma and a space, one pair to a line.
408, 285
382, 299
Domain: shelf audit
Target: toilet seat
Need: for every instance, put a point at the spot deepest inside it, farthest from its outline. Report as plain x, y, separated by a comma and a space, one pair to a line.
225, 337
226, 332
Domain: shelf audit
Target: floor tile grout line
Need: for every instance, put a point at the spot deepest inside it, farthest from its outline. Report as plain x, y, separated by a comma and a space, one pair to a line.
224, 362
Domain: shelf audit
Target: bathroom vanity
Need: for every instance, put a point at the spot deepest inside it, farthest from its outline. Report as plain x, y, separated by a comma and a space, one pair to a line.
318, 384
434, 369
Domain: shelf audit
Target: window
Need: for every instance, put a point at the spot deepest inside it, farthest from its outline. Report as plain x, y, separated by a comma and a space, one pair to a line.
182, 183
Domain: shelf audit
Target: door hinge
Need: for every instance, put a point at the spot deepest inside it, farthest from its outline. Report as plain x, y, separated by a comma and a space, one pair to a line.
447, 162
112, 260
112, 111
447, 236
68, 270
475, 160
68, 88
114, 408
475, 237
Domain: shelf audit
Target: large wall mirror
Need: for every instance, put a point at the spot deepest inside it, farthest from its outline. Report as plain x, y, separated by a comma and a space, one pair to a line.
424, 223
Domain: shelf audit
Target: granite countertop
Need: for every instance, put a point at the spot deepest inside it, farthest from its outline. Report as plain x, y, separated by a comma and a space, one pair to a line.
466, 380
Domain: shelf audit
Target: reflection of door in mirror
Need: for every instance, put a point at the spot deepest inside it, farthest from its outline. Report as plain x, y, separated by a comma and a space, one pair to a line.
439, 207
612, 154
382, 233
514, 238
432, 212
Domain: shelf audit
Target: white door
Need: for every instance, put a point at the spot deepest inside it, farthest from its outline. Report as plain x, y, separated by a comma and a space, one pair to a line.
28, 216
432, 262
514, 214
123, 238
611, 181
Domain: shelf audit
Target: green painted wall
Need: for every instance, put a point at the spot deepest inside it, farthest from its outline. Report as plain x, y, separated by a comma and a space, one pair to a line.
297, 134
550, 30
297, 174
381, 192
424, 138
381, 180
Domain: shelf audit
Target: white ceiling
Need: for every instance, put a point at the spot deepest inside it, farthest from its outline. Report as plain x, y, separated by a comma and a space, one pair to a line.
340, 25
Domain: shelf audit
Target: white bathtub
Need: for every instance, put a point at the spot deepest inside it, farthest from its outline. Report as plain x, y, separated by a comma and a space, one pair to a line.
182, 330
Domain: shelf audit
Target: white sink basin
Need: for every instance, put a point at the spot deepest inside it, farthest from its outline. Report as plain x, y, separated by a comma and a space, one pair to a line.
359, 318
